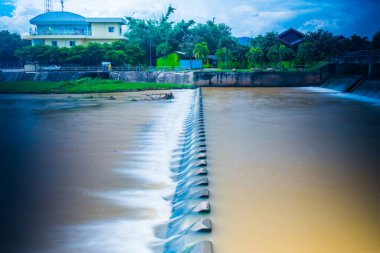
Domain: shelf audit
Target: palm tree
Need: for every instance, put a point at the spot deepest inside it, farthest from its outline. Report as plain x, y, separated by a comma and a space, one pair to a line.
201, 51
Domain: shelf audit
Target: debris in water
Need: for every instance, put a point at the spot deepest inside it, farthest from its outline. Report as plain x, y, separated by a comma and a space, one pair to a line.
160, 96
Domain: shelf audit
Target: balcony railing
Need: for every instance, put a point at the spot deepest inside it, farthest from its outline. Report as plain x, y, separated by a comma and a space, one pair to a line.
71, 33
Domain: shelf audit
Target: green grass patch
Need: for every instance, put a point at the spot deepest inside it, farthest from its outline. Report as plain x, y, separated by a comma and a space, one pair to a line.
85, 85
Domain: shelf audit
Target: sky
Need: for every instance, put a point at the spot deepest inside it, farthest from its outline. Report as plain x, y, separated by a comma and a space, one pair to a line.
246, 18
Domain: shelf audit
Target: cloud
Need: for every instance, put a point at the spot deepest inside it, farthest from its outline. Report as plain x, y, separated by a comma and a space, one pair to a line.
316, 24
247, 18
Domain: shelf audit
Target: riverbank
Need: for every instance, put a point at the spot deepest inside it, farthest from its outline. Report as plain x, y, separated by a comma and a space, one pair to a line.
85, 85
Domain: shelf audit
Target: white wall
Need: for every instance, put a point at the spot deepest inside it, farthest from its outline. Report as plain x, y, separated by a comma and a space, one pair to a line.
101, 29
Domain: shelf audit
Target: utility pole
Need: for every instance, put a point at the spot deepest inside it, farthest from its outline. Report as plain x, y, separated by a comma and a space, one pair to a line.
48, 5
62, 4
150, 49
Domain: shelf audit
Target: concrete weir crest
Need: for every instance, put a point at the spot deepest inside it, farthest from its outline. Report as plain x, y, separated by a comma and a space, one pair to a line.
190, 225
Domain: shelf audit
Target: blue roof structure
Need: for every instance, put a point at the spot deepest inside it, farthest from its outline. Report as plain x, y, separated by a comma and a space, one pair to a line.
69, 18
58, 18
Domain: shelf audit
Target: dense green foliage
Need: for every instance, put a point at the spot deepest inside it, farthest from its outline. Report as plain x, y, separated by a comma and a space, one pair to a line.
85, 85
201, 52
316, 47
148, 40
159, 37
119, 53
9, 43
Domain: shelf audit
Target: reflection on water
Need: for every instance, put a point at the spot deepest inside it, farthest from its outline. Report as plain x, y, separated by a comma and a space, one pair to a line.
85, 174
293, 171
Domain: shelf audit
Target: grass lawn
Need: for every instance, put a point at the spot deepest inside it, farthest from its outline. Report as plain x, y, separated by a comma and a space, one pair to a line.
85, 85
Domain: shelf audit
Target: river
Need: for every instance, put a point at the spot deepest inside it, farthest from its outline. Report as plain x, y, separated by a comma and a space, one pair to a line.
293, 170
85, 173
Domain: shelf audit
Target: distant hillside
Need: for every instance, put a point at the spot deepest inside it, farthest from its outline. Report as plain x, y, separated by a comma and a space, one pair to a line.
244, 41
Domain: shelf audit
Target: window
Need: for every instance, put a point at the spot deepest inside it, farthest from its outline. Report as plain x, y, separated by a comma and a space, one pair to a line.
111, 29
72, 43
54, 43
120, 30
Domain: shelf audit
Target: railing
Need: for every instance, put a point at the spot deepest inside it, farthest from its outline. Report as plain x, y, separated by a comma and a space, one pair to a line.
12, 70
362, 56
100, 68
71, 33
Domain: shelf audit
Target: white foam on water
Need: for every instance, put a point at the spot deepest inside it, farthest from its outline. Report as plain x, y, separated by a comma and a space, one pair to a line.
108, 236
319, 89
343, 95
150, 164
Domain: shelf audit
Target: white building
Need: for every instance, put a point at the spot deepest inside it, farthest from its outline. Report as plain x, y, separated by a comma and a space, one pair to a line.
67, 29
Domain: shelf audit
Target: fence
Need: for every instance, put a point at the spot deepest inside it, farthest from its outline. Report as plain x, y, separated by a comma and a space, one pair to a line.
358, 57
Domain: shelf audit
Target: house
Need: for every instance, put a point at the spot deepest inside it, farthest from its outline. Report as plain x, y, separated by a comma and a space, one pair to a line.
291, 38
67, 29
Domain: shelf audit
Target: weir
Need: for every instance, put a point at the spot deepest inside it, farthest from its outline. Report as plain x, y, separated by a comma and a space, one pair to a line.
189, 224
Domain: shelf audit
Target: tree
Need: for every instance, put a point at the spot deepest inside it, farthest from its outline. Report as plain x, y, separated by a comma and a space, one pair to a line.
376, 41
77, 54
273, 54
116, 57
223, 54
201, 51
359, 43
211, 33
324, 44
238, 55
94, 52
255, 55
163, 50
266, 42
282, 50
9, 43
135, 54
41, 54
305, 52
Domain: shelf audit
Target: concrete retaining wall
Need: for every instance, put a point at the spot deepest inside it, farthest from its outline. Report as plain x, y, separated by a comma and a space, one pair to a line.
10, 76
50, 76
66, 76
257, 79
153, 77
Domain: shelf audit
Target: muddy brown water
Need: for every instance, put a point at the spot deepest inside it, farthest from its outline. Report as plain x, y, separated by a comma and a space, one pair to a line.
84, 173
293, 171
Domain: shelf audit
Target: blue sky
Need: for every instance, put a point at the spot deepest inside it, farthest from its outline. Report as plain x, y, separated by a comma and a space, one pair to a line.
6, 8
247, 18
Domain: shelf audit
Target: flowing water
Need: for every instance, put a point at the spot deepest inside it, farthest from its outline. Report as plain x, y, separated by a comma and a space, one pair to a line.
293, 170
86, 174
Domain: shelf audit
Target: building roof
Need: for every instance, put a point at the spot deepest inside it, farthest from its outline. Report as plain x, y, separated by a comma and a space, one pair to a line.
58, 18
69, 18
291, 37
107, 20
